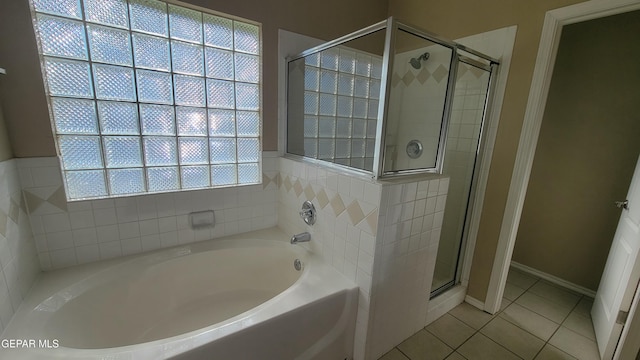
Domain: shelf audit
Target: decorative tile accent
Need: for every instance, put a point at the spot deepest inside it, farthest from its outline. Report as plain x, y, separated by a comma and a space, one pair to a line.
440, 73
337, 205
36, 201
323, 200
423, 75
297, 187
309, 193
287, 183
408, 78
355, 212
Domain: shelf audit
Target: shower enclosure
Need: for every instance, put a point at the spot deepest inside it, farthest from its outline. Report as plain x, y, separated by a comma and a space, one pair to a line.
392, 100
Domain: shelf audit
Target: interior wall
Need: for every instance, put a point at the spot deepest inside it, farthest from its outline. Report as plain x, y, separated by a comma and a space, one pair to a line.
587, 151
458, 18
5, 147
25, 103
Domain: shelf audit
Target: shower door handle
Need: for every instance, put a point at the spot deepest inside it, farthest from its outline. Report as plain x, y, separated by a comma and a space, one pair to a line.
622, 204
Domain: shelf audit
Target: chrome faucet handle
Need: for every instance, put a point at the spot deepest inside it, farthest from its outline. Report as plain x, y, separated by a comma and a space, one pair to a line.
308, 213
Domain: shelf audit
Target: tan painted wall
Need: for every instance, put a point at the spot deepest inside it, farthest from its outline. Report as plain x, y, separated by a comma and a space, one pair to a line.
587, 151
26, 110
458, 18
5, 147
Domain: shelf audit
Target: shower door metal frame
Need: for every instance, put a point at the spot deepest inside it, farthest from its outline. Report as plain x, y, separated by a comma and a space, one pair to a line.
392, 27
479, 159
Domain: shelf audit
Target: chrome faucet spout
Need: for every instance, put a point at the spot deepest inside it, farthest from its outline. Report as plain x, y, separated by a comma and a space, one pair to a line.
302, 237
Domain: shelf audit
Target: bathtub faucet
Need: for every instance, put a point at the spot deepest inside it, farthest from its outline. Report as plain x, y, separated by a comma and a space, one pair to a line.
302, 237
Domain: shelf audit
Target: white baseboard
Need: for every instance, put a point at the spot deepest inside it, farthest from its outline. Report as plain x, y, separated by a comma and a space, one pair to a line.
444, 302
554, 279
474, 302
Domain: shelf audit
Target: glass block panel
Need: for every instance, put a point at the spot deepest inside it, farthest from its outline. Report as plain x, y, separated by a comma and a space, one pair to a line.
223, 174
154, 87
369, 148
247, 68
69, 8
311, 147
343, 148
163, 178
122, 151
187, 58
312, 60
328, 81
347, 61
85, 184
80, 152
345, 161
151, 52
222, 150
357, 148
222, 122
126, 181
311, 75
310, 103
345, 106
193, 151
326, 127
327, 105
376, 68
247, 97
311, 126
191, 121
62, 37
219, 63
114, 82
248, 150
189, 90
157, 119
374, 89
357, 163
248, 173
359, 128
345, 85
326, 148
108, 12
218, 31
329, 59
343, 128
74, 116
220, 94
360, 107
109, 45
149, 16
361, 88
363, 65
185, 24
246, 37
371, 129
160, 151
194, 177
248, 123
118, 118
373, 109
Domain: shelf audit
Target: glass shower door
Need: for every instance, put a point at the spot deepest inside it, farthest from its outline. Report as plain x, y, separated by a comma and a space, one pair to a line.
463, 140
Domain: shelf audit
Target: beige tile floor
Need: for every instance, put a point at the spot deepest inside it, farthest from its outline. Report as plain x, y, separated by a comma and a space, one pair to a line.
538, 320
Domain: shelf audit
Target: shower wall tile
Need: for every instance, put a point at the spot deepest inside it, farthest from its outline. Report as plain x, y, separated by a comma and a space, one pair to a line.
19, 265
71, 233
377, 234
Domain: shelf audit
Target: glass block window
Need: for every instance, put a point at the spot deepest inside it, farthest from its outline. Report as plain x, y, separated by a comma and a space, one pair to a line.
147, 96
342, 89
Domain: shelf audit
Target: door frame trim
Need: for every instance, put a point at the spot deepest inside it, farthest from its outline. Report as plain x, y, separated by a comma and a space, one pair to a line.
545, 61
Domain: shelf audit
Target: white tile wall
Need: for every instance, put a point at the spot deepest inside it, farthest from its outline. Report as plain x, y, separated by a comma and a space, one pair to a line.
18, 259
388, 249
73, 233
409, 229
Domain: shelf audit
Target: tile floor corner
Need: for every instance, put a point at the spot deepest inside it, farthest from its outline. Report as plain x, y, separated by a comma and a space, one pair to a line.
537, 320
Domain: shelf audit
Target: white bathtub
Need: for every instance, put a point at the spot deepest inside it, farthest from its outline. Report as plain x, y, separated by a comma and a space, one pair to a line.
234, 298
